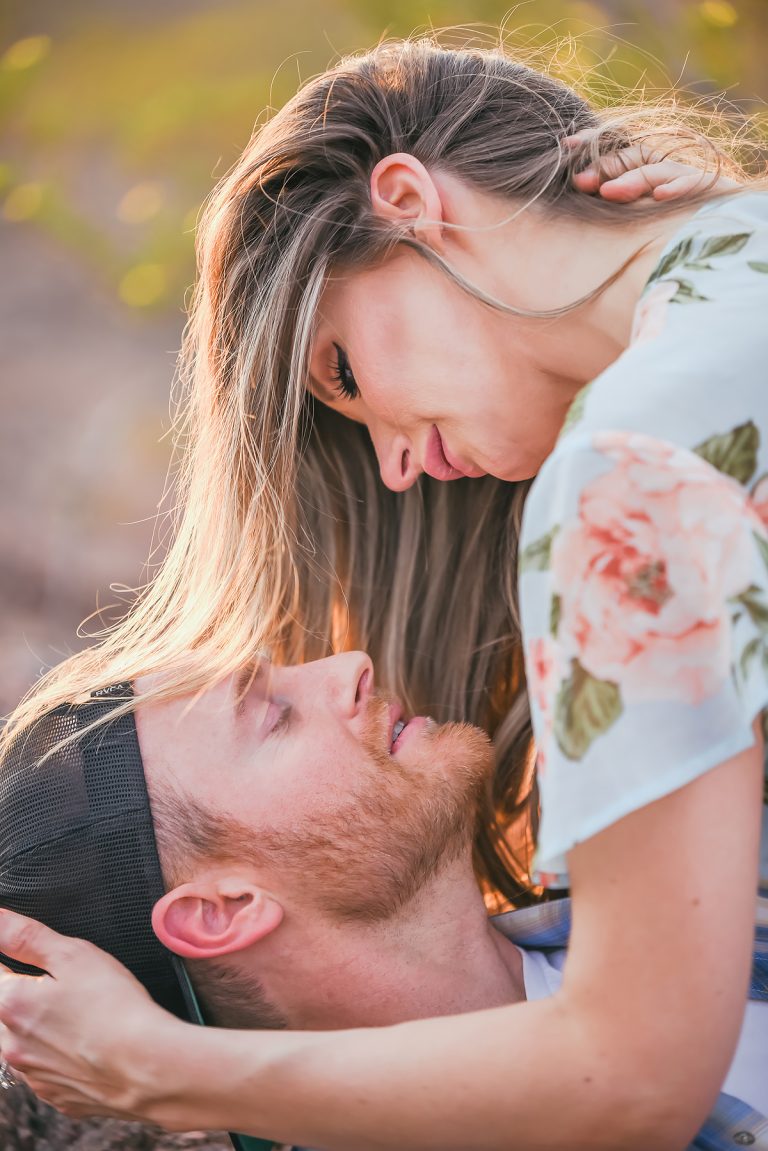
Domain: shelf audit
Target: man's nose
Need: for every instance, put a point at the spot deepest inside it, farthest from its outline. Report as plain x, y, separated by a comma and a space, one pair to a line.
397, 464
344, 682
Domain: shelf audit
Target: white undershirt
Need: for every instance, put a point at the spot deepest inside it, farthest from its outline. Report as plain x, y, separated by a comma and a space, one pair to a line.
747, 1078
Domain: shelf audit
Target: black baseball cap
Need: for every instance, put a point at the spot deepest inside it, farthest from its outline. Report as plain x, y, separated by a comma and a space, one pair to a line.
78, 849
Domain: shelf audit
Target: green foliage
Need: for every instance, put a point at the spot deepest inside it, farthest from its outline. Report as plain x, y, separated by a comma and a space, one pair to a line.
109, 103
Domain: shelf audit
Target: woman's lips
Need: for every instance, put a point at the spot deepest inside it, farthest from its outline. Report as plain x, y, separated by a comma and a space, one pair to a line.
441, 465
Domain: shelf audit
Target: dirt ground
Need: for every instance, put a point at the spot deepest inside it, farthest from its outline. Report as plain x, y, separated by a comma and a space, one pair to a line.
26, 1124
84, 386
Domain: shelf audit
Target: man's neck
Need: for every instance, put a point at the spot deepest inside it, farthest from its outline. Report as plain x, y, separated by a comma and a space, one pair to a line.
438, 956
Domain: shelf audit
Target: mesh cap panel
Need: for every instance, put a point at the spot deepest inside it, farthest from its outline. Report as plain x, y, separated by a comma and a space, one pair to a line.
77, 844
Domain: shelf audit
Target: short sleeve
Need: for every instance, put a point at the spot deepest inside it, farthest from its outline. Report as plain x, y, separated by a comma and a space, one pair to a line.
644, 603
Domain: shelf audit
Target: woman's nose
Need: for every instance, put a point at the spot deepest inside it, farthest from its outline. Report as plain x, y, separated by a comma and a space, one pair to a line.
397, 464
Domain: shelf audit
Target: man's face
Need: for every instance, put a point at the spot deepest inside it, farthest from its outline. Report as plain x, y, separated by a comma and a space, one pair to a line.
310, 775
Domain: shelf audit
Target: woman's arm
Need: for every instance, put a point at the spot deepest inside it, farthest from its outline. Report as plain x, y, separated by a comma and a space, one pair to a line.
629, 1054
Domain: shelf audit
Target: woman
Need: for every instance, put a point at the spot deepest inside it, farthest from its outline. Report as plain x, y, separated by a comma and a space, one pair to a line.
404, 237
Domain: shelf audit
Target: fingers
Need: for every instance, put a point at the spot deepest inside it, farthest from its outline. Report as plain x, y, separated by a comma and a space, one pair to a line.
669, 177
689, 180
642, 170
31, 942
612, 167
666, 180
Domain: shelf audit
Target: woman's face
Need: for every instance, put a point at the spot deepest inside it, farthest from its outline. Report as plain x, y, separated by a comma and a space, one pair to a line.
445, 384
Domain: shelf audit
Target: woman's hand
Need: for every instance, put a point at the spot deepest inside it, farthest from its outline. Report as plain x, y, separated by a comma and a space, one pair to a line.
87, 1038
637, 172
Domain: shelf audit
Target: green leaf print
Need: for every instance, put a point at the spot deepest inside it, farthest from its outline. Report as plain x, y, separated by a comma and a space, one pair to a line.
734, 453
758, 266
749, 653
585, 708
753, 601
674, 256
684, 256
762, 547
686, 293
554, 614
537, 556
723, 245
576, 410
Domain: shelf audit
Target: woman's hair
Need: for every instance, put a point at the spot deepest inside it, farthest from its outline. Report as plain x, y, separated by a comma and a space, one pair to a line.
283, 537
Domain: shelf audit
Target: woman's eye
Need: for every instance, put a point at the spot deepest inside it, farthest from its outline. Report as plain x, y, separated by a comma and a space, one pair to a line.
347, 387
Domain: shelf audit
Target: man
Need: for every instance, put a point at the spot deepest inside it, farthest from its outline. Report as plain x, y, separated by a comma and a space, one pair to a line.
315, 851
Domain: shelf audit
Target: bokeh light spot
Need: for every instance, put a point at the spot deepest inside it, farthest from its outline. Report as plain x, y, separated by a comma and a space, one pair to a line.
23, 202
26, 53
140, 203
143, 286
718, 13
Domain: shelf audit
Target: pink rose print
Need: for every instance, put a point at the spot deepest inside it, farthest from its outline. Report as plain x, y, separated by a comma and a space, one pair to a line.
645, 572
651, 313
543, 675
542, 670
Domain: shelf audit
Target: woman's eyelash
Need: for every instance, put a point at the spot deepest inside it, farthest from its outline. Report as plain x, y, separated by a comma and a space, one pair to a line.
347, 387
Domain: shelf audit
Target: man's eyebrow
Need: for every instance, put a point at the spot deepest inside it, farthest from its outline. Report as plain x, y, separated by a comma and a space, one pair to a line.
284, 720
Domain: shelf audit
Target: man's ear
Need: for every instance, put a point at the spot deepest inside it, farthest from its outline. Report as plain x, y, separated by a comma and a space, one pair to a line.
401, 190
206, 918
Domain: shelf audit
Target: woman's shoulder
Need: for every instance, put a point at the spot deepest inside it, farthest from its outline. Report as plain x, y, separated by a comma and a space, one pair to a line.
749, 206
695, 366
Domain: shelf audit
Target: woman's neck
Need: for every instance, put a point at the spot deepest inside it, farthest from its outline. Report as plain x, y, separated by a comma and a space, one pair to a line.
534, 260
566, 260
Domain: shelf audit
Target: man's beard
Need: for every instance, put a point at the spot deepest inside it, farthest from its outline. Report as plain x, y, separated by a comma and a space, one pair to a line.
367, 853
370, 854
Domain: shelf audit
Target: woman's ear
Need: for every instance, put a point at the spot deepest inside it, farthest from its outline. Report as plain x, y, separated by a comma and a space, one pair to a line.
203, 919
401, 190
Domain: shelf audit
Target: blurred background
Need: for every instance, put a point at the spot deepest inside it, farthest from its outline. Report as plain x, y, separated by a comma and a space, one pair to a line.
116, 118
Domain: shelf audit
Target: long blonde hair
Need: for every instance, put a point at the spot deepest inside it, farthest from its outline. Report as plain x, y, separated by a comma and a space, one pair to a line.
283, 537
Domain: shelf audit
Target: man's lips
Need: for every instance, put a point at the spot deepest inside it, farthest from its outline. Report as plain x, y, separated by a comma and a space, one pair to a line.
418, 723
395, 712
411, 726
440, 464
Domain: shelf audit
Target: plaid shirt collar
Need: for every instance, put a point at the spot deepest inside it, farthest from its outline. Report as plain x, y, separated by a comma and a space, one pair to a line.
732, 1123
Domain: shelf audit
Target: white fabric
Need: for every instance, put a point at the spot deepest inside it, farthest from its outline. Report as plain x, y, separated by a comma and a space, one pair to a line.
644, 553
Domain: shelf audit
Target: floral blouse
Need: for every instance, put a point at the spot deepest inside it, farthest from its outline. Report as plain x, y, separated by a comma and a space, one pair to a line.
644, 553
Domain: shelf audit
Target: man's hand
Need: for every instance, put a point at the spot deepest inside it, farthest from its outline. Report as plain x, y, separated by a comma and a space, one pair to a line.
87, 1038
635, 172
